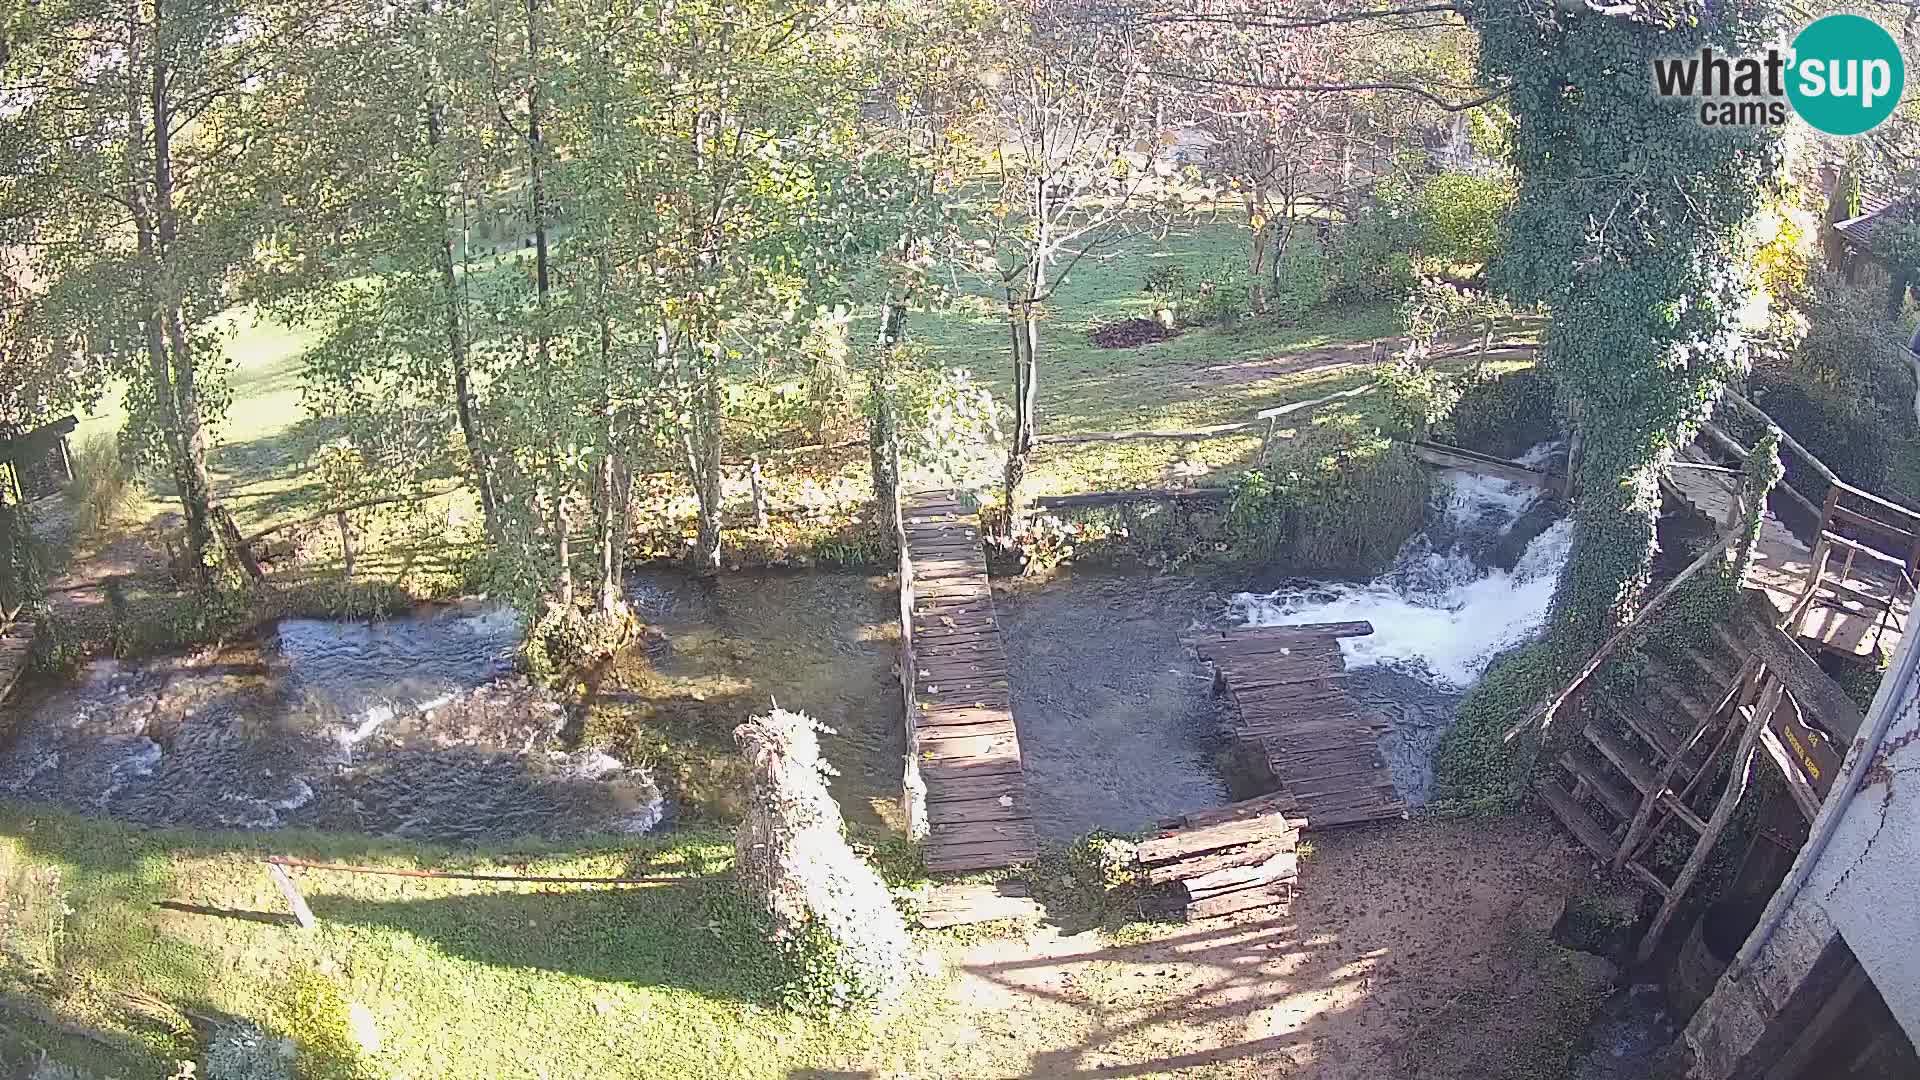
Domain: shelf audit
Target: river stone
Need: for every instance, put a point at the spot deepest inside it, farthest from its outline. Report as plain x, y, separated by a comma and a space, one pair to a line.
1512, 544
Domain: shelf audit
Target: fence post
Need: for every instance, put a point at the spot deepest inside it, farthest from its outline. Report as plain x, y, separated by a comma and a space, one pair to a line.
301, 913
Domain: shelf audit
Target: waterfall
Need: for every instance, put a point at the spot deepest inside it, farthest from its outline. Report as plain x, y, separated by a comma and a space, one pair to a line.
1440, 613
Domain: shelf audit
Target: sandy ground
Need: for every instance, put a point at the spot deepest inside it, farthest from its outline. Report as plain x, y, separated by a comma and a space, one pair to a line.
1418, 950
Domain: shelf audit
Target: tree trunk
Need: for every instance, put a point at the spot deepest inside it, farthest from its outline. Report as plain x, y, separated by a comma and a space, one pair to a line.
1257, 256
613, 534
180, 388
881, 434
703, 466
479, 460
1025, 325
1613, 543
536, 167
563, 548
346, 544
759, 494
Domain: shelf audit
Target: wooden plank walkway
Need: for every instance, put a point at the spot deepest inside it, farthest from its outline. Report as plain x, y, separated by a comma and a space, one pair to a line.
1288, 688
1782, 564
968, 748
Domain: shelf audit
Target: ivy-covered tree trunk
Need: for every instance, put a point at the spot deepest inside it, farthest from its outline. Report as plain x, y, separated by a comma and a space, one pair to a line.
1631, 225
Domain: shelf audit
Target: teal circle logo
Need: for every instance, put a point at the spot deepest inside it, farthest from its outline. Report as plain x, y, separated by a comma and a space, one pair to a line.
1846, 74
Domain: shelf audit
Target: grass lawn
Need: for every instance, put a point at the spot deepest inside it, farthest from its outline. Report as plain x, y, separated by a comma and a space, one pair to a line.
1203, 377
115, 942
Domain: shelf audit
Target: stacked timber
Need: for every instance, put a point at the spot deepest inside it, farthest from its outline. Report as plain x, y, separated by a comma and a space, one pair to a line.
1237, 858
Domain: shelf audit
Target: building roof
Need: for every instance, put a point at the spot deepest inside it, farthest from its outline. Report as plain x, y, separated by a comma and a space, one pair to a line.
1859, 230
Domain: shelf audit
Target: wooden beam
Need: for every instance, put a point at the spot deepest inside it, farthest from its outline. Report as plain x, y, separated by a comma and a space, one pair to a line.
1652, 800
1722, 814
1299, 406
297, 903
1543, 714
1107, 498
1452, 457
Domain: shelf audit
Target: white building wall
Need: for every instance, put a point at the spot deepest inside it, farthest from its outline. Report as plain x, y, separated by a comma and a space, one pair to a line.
1868, 880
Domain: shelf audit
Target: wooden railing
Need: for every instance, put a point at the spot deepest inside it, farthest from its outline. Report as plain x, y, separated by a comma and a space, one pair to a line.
1852, 521
913, 788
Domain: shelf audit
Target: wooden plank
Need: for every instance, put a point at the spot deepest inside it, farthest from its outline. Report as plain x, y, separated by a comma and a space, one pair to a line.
940, 733
1225, 834
958, 833
1452, 457
1577, 820
1281, 866
946, 771
1312, 788
977, 788
1277, 803
1278, 895
1013, 809
302, 914
975, 745
951, 862
962, 905
1363, 815
963, 714
1201, 865
1349, 628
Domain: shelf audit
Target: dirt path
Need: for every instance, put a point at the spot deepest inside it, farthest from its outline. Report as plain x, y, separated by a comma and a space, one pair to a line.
1417, 951
129, 551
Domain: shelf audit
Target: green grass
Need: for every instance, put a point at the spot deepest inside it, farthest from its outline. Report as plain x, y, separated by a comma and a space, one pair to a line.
668, 980
1205, 376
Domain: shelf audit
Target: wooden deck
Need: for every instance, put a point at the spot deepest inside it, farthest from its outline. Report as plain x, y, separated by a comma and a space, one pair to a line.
1782, 565
1288, 689
960, 726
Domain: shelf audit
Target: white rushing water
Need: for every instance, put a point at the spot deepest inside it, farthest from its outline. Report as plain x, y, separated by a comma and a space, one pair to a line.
1437, 613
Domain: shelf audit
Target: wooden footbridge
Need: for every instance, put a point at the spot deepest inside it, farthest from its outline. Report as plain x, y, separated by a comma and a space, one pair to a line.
963, 749
1851, 590
1287, 685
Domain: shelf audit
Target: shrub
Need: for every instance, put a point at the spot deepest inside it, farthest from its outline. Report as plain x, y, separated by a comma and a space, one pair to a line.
1459, 217
1372, 258
1169, 285
1475, 769
1351, 511
103, 488
1300, 279
1418, 397
1505, 415
1219, 296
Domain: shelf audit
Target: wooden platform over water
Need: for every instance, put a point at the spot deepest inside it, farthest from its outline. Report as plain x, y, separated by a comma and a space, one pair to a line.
1782, 565
1288, 689
961, 721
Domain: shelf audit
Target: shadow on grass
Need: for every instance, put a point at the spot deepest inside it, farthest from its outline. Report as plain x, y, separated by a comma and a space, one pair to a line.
262, 458
696, 935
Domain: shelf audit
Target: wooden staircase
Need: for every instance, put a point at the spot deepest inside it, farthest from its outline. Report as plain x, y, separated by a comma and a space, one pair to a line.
1643, 759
